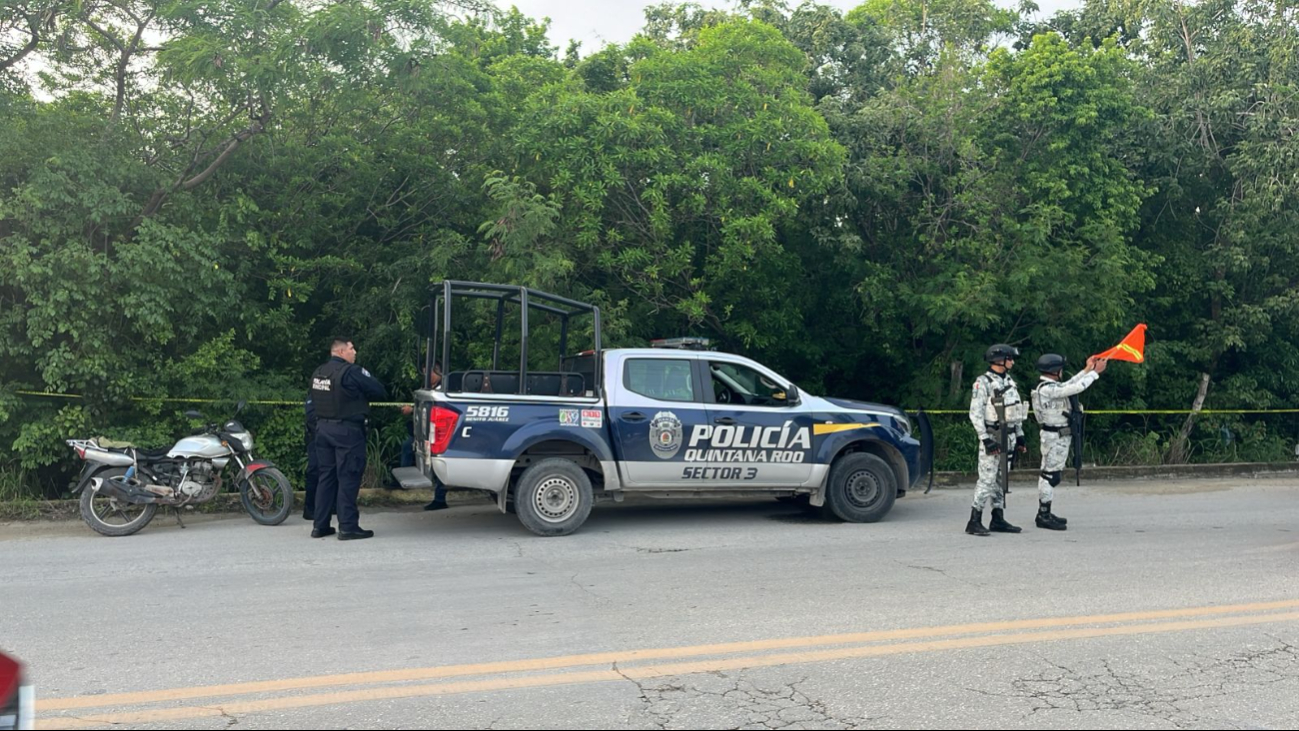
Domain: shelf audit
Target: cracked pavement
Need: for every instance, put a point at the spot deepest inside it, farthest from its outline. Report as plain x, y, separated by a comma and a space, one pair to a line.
1172, 697
719, 700
226, 601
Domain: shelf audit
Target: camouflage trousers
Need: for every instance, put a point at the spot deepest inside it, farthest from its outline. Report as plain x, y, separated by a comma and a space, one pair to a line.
1055, 455
989, 487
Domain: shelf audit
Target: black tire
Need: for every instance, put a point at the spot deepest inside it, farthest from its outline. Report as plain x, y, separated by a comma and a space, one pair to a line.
267, 496
110, 517
861, 489
553, 497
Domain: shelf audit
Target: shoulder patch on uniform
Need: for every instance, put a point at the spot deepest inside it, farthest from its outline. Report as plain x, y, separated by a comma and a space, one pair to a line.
367, 373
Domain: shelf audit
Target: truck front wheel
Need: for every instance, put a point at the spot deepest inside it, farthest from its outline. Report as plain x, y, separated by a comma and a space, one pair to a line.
861, 489
553, 497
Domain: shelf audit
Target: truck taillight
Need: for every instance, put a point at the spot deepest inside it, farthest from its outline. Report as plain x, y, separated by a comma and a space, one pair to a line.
442, 425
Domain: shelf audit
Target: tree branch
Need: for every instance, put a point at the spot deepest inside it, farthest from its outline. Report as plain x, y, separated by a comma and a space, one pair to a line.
34, 29
125, 62
109, 36
231, 146
160, 195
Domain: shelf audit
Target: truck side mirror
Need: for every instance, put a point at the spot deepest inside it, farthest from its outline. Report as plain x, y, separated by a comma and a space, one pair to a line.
791, 397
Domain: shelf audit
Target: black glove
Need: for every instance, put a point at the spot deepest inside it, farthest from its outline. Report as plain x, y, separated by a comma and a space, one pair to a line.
991, 446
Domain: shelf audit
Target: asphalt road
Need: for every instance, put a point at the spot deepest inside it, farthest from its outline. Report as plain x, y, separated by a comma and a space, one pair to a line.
1165, 605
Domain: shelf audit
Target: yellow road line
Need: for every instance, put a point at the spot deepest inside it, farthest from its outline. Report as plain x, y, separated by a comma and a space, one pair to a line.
646, 672
625, 656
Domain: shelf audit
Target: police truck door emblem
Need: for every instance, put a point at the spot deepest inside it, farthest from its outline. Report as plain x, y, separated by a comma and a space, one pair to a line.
665, 434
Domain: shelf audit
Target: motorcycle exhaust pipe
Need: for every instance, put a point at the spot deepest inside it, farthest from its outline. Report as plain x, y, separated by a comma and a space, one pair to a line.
102, 456
134, 492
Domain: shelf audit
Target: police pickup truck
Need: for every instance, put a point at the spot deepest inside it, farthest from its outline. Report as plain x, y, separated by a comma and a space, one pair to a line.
669, 421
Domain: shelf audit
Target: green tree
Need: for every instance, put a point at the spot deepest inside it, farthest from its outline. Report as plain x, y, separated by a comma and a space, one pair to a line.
996, 203
675, 183
1222, 76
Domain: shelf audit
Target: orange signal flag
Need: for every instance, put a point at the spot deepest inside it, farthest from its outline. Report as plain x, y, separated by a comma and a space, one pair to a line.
1132, 348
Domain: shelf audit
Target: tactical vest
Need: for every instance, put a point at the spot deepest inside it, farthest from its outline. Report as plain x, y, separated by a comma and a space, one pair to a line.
1016, 410
331, 399
1055, 415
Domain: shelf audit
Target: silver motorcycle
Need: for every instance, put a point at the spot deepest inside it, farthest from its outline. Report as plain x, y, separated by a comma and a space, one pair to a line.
121, 486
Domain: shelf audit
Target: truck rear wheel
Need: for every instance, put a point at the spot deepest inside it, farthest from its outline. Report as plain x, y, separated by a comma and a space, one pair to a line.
553, 497
861, 489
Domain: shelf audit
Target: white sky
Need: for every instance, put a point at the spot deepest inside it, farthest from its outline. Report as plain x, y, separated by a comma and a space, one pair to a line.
596, 22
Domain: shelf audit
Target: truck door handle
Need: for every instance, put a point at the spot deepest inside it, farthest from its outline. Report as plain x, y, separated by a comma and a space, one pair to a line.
724, 420
633, 416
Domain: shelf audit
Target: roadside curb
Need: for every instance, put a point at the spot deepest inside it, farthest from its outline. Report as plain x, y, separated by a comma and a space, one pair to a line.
962, 480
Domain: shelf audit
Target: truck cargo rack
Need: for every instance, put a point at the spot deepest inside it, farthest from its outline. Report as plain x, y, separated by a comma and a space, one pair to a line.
563, 383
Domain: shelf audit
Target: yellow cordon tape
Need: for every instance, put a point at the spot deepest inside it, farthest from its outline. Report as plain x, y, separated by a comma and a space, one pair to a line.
1152, 411
46, 394
168, 399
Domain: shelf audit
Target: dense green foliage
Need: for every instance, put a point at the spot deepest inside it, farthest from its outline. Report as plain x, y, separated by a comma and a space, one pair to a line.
193, 195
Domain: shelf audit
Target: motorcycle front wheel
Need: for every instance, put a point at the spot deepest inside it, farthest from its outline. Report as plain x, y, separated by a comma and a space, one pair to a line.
112, 517
267, 496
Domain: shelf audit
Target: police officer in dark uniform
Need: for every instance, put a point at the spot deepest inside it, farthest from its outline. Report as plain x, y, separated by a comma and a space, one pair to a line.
341, 391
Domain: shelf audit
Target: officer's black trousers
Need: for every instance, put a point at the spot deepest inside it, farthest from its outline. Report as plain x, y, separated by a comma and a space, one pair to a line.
340, 451
313, 475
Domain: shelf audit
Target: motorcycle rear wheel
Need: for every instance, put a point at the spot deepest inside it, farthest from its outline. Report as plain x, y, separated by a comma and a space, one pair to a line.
112, 517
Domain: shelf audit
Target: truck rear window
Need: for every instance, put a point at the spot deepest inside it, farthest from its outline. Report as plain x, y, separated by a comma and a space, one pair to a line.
664, 379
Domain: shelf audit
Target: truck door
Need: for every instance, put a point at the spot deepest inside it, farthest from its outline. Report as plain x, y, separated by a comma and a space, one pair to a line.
654, 409
755, 436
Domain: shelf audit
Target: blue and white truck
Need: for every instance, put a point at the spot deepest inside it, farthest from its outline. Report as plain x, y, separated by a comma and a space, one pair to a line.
671, 421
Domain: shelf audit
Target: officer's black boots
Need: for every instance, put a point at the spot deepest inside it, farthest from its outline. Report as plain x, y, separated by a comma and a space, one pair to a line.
999, 524
436, 505
322, 532
1058, 519
975, 526
1046, 520
357, 536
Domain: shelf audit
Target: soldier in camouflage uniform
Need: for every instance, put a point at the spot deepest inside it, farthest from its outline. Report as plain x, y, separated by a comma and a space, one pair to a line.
989, 388
1051, 409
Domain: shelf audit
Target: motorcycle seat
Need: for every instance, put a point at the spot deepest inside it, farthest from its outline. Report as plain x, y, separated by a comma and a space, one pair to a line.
113, 445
